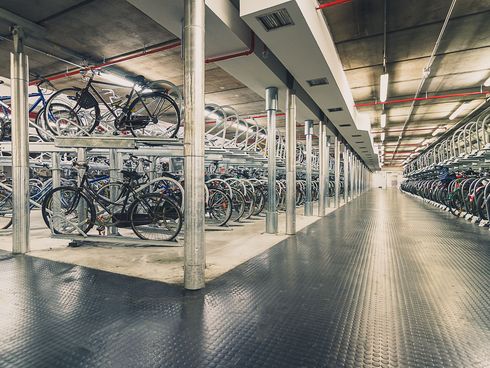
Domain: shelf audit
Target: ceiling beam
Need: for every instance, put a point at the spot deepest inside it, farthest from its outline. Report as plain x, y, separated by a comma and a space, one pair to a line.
15, 20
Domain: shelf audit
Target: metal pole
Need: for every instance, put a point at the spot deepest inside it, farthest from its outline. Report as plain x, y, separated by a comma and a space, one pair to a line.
309, 168
346, 175
194, 244
354, 177
56, 182
327, 171
337, 172
321, 165
271, 212
291, 163
114, 170
19, 75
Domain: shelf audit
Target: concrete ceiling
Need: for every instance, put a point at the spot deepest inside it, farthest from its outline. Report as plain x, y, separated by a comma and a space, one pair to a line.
461, 65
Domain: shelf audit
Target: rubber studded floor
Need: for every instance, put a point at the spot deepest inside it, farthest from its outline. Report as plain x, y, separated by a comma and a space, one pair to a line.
386, 281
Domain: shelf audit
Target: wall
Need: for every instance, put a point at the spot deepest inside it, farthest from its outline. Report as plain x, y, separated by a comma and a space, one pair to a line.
386, 179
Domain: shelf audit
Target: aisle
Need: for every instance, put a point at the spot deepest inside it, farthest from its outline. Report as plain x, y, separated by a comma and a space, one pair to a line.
385, 281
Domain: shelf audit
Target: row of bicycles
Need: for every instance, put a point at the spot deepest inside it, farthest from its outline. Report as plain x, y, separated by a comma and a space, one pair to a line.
149, 206
464, 194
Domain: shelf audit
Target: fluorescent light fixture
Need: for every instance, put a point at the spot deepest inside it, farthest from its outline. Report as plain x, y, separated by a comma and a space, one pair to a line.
383, 88
439, 130
116, 79
487, 82
383, 120
382, 137
458, 111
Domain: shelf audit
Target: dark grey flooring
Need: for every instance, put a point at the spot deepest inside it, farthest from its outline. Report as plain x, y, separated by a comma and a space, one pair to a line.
386, 281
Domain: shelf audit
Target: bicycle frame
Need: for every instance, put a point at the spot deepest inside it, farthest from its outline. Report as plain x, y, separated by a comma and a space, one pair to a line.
90, 87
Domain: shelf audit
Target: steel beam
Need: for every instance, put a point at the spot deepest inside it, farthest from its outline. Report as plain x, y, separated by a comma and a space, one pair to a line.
19, 22
19, 74
194, 243
290, 162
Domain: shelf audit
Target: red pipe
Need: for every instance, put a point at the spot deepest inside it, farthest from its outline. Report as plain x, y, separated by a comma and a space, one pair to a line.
332, 3
437, 97
110, 62
118, 60
401, 130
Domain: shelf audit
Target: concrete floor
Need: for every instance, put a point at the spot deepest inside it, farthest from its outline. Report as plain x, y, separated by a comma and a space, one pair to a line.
225, 249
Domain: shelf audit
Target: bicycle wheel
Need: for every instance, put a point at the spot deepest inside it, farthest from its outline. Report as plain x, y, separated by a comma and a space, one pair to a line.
238, 205
154, 114
41, 127
218, 208
155, 217
71, 112
259, 201
66, 210
5, 209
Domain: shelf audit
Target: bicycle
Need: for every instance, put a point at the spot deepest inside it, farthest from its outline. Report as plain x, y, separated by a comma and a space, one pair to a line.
151, 216
146, 111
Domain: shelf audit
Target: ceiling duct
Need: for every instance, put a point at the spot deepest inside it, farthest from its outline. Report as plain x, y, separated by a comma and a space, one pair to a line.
276, 19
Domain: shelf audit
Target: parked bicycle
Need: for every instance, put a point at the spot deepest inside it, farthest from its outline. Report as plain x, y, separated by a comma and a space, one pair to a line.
146, 110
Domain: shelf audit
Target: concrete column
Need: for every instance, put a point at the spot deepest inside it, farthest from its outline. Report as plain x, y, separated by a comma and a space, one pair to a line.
271, 220
337, 172
19, 75
291, 163
327, 171
194, 244
321, 165
351, 175
309, 167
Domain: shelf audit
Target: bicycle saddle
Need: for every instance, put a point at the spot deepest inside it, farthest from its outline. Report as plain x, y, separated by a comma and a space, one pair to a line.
131, 174
138, 79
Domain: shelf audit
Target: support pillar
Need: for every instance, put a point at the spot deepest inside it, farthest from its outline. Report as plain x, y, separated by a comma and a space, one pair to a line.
346, 174
291, 163
337, 172
194, 244
19, 76
309, 166
321, 156
327, 171
271, 219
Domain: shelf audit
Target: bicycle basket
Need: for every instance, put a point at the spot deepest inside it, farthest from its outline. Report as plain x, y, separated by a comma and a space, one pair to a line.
86, 100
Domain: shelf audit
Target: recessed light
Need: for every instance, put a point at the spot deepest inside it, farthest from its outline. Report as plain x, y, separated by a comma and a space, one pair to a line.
335, 109
356, 135
344, 125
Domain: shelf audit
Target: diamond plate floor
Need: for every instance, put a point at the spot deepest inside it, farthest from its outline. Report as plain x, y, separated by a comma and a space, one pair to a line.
385, 281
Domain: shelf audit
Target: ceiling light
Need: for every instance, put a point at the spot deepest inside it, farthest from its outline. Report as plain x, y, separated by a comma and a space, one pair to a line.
439, 130
382, 137
487, 82
383, 89
116, 79
383, 120
458, 111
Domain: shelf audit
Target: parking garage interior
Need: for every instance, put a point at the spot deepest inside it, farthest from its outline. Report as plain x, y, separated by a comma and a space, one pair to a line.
244, 183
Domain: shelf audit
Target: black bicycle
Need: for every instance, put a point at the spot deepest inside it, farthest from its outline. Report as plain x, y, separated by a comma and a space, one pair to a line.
147, 110
72, 209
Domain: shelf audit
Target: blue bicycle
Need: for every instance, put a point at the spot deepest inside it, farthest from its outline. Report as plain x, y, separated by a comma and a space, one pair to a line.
39, 116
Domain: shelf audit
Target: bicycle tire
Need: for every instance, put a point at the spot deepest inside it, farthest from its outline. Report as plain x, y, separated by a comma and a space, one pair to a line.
176, 125
64, 93
138, 219
47, 202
